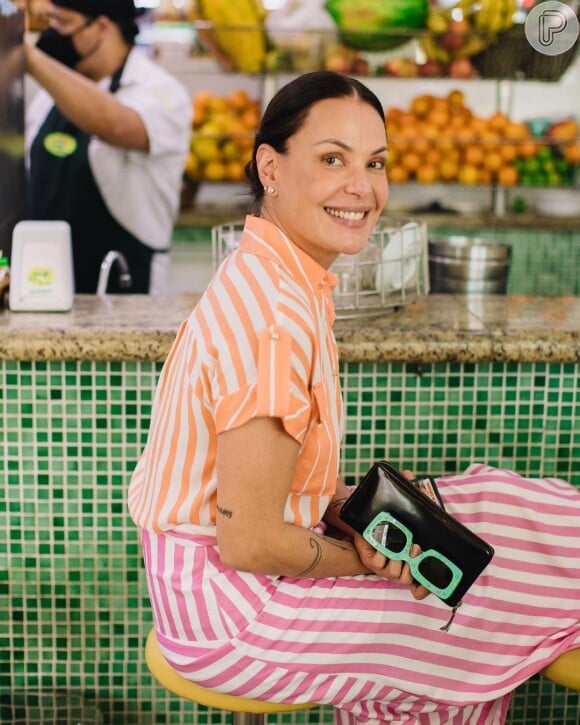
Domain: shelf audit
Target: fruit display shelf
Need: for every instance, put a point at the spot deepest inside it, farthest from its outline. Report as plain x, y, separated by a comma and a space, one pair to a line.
434, 139
442, 139
455, 53
402, 38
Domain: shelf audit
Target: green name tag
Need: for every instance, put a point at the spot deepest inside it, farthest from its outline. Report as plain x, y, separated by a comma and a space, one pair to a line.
60, 144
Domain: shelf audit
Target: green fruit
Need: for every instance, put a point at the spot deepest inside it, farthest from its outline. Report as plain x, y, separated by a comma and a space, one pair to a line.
548, 166
554, 179
544, 154
532, 165
377, 24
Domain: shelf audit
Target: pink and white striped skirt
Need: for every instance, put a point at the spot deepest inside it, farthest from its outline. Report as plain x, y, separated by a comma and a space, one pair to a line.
363, 644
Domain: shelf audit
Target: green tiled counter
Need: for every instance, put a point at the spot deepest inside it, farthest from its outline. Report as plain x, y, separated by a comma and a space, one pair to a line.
433, 386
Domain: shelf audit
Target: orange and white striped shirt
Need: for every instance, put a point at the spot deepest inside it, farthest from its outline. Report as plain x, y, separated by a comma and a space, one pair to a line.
259, 343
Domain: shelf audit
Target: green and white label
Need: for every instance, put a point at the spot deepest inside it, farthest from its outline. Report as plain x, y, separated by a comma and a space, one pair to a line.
60, 144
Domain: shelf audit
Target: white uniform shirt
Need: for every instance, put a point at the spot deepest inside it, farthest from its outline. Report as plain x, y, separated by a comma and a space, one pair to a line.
141, 189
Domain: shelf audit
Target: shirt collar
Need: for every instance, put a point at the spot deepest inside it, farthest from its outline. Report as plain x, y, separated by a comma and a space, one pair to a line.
265, 239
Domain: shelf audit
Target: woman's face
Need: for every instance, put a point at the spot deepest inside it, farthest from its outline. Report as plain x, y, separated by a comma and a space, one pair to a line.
330, 185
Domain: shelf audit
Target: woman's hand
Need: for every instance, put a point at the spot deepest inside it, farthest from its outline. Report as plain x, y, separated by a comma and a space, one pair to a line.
395, 571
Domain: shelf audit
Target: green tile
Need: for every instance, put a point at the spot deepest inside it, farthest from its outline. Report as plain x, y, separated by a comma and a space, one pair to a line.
73, 601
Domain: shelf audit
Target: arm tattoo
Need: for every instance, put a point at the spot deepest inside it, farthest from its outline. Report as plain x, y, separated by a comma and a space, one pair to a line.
316, 544
224, 512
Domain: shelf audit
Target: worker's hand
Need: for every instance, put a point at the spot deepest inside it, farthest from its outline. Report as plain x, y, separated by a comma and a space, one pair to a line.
395, 571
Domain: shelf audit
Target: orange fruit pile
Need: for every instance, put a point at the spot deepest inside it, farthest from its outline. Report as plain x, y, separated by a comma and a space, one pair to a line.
441, 139
223, 135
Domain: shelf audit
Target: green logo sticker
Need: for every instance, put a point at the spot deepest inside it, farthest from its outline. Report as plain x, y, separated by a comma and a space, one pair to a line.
40, 276
60, 144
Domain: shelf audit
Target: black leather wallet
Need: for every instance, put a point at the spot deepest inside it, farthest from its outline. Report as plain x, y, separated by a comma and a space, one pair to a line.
392, 514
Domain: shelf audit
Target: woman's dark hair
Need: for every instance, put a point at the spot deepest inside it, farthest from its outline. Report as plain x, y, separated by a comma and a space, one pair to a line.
288, 109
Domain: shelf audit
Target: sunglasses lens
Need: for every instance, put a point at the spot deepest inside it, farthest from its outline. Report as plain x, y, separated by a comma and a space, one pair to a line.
389, 537
436, 571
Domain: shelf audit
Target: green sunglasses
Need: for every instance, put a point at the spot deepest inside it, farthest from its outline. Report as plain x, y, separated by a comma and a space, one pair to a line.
430, 568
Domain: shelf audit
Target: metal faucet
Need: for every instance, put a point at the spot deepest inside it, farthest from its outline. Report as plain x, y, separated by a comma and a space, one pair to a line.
109, 259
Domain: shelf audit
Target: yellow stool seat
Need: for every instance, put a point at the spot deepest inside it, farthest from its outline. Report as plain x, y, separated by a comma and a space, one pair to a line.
565, 670
179, 685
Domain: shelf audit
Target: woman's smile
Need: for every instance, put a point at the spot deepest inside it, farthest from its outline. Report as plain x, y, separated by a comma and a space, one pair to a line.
344, 215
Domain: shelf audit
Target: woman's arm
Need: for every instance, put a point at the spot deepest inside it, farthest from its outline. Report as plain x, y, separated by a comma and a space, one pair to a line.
255, 467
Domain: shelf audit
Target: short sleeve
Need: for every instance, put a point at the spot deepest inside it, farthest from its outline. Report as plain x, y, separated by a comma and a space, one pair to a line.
280, 387
166, 115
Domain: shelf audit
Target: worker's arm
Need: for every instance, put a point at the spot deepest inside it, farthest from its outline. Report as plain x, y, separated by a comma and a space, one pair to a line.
92, 109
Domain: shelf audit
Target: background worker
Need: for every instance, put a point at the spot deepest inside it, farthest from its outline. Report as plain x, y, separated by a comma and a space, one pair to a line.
107, 138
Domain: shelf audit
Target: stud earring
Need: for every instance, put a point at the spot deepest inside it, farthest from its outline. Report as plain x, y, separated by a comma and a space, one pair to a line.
269, 189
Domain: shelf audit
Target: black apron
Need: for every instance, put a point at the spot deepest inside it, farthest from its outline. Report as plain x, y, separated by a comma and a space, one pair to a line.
62, 187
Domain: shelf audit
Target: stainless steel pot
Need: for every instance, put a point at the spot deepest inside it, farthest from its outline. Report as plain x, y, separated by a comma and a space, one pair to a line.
468, 265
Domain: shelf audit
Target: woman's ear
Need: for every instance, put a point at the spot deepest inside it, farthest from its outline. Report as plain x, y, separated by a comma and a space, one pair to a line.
266, 164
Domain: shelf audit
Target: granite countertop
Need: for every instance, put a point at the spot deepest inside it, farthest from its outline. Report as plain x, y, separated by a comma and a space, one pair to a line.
438, 328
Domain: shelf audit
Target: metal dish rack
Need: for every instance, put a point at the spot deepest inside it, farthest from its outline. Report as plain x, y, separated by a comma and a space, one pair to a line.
390, 272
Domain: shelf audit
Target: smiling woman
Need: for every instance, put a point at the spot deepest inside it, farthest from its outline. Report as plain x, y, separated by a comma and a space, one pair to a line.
259, 589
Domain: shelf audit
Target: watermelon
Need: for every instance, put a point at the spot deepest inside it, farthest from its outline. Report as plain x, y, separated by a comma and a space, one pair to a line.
377, 24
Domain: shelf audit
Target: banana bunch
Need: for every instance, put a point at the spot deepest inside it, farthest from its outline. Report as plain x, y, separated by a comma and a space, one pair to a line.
432, 49
474, 44
495, 16
238, 31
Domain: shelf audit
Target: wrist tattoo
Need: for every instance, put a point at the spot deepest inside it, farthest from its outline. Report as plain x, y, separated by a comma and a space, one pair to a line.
314, 544
224, 512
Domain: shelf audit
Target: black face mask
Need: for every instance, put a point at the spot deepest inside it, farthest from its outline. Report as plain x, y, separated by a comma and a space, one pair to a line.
59, 46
